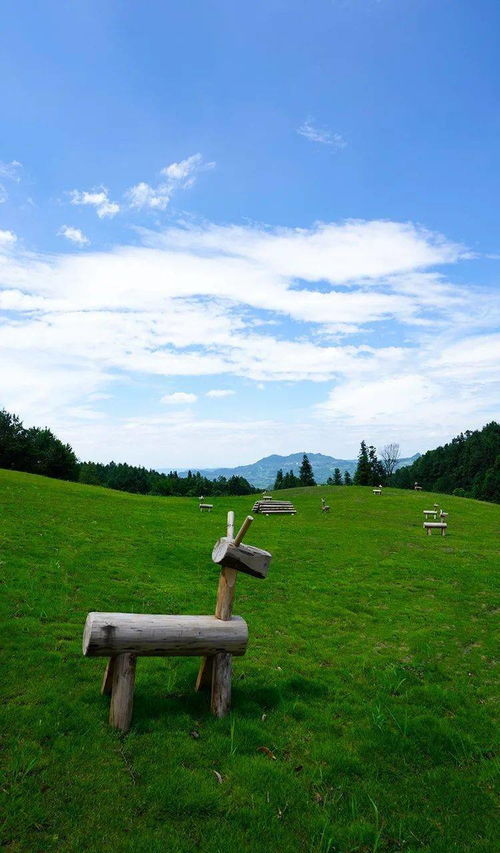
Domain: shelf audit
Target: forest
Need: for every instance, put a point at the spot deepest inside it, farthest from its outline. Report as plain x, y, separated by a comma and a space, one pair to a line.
468, 466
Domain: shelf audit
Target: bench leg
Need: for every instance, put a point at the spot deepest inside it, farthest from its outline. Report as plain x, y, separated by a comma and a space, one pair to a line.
107, 681
204, 680
221, 683
122, 696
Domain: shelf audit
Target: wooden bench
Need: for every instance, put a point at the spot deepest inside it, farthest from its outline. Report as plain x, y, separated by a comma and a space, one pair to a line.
428, 513
377, 491
208, 507
417, 488
435, 525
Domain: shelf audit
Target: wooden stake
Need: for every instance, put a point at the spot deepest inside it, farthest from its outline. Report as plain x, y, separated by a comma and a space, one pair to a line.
122, 696
221, 684
222, 663
204, 679
243, 529
107, 681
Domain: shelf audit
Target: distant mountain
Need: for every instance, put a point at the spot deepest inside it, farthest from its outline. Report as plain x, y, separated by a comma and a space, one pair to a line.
262, 473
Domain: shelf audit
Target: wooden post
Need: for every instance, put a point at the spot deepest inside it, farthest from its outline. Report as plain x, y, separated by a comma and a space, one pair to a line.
222, 663
122, 696
215, 671
107, 681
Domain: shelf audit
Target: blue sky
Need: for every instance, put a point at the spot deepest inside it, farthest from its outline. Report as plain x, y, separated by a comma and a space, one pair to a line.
231, 229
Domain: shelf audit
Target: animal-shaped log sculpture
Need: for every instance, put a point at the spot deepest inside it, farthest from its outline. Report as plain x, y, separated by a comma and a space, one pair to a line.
123, 637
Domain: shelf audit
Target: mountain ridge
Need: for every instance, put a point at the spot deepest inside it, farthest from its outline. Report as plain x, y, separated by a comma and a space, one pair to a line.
262, 473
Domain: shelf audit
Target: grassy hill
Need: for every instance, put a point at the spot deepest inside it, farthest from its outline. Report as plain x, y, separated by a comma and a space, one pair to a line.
369, 677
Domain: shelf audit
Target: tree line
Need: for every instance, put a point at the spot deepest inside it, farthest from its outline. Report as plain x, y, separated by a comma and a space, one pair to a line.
38, 451
469, 466
370, 470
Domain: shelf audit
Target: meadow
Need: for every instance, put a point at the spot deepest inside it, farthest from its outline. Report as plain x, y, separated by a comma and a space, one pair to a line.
363, 712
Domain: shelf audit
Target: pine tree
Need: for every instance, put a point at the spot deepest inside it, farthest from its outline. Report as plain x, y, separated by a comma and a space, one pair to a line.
337, 477
376, 467
306, 475
363, 475
347, 479
278, 483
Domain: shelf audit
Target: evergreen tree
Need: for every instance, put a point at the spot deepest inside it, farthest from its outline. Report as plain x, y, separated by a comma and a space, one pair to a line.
306, 475
470, 463
337, 477
347, 479
363, 475
290, 481
376, 467
278, 483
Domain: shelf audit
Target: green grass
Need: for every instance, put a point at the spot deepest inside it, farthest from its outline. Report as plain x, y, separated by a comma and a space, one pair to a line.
369, 677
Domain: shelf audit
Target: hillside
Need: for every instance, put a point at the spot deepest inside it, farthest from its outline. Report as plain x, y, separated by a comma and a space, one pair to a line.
369, 677
262, 474
469, 465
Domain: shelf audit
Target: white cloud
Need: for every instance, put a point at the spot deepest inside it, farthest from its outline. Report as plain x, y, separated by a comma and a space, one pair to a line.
99, 199
321, 134
11, 170
7, 238
177, 176
179, 398
257, 303
74, 235
220, 392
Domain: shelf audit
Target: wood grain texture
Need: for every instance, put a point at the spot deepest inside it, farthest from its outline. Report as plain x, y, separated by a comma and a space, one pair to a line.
242, 558
225, 594
122, 696
221, 684
108, 634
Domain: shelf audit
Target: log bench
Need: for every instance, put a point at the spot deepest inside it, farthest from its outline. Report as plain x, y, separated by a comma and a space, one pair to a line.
430, 513
207, 507
123, 637
435, 525
377, 491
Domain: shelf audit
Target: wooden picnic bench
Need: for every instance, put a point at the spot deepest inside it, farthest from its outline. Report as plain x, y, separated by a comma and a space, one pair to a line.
435, 525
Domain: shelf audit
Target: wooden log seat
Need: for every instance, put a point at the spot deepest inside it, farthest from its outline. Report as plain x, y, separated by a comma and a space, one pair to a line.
377, 491
122, 637
108, 634
435, 525
428, 513
274, 507
208, 507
